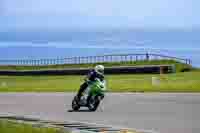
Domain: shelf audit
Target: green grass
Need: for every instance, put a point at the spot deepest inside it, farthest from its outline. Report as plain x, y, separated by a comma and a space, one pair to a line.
7, 126
177, 82
179, 66
14, 127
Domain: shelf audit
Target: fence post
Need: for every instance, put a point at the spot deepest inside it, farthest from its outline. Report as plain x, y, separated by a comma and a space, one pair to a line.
54, 61
86, 60
97, 59
92, 59
100, 59
40, 62
131, 58
57, 61
89, 60
105, 58
147, 56
79, 60
82, 60
24, 61
72, 60
186, 61
35, 62
161, 70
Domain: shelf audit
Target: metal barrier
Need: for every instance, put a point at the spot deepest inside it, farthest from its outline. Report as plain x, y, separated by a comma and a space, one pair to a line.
92, 59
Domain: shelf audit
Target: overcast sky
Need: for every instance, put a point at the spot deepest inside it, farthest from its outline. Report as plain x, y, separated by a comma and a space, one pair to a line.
60, 14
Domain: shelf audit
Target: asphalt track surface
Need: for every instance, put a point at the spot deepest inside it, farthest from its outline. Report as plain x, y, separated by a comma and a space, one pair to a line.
163, 113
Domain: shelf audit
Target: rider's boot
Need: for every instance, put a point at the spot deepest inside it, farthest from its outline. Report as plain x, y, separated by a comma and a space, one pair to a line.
82, 88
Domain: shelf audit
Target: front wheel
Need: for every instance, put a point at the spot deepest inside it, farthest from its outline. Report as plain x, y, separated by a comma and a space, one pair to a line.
75, 105
93, 104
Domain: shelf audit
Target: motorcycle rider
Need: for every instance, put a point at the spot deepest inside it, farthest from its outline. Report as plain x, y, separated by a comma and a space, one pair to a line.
97, 72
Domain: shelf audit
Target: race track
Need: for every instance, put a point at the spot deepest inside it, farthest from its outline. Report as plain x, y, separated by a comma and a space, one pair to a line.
163, 113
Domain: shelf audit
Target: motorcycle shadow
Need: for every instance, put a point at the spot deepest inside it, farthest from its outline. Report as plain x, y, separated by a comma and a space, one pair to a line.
80, 110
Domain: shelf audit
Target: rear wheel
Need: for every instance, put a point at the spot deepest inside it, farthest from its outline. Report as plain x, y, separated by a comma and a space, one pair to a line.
75, 105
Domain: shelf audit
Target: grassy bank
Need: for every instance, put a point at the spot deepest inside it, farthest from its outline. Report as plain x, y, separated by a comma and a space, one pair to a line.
179, 66
14, 127
177, 82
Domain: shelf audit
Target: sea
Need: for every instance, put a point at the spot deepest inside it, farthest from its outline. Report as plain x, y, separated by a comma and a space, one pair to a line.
178, 43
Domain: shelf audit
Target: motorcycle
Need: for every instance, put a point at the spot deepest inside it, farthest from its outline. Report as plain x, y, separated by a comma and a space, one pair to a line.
91, 97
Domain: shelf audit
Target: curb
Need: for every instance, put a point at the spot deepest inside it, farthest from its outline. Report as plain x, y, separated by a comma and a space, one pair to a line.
73, 127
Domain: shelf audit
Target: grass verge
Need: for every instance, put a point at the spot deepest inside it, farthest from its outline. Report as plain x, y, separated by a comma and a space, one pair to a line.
14, 127
177, 82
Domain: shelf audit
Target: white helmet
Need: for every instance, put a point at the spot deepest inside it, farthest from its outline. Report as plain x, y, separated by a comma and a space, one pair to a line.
99, 69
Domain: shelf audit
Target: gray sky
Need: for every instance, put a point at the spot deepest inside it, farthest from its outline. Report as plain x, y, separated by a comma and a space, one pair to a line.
61, 14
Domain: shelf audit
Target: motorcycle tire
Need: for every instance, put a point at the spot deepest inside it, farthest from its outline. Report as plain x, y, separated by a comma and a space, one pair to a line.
75, 105
93, 106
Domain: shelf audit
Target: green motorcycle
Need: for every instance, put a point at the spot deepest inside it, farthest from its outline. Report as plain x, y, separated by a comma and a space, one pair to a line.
91, 97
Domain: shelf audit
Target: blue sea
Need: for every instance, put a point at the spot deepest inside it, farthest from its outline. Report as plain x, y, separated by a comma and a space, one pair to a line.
179, 43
